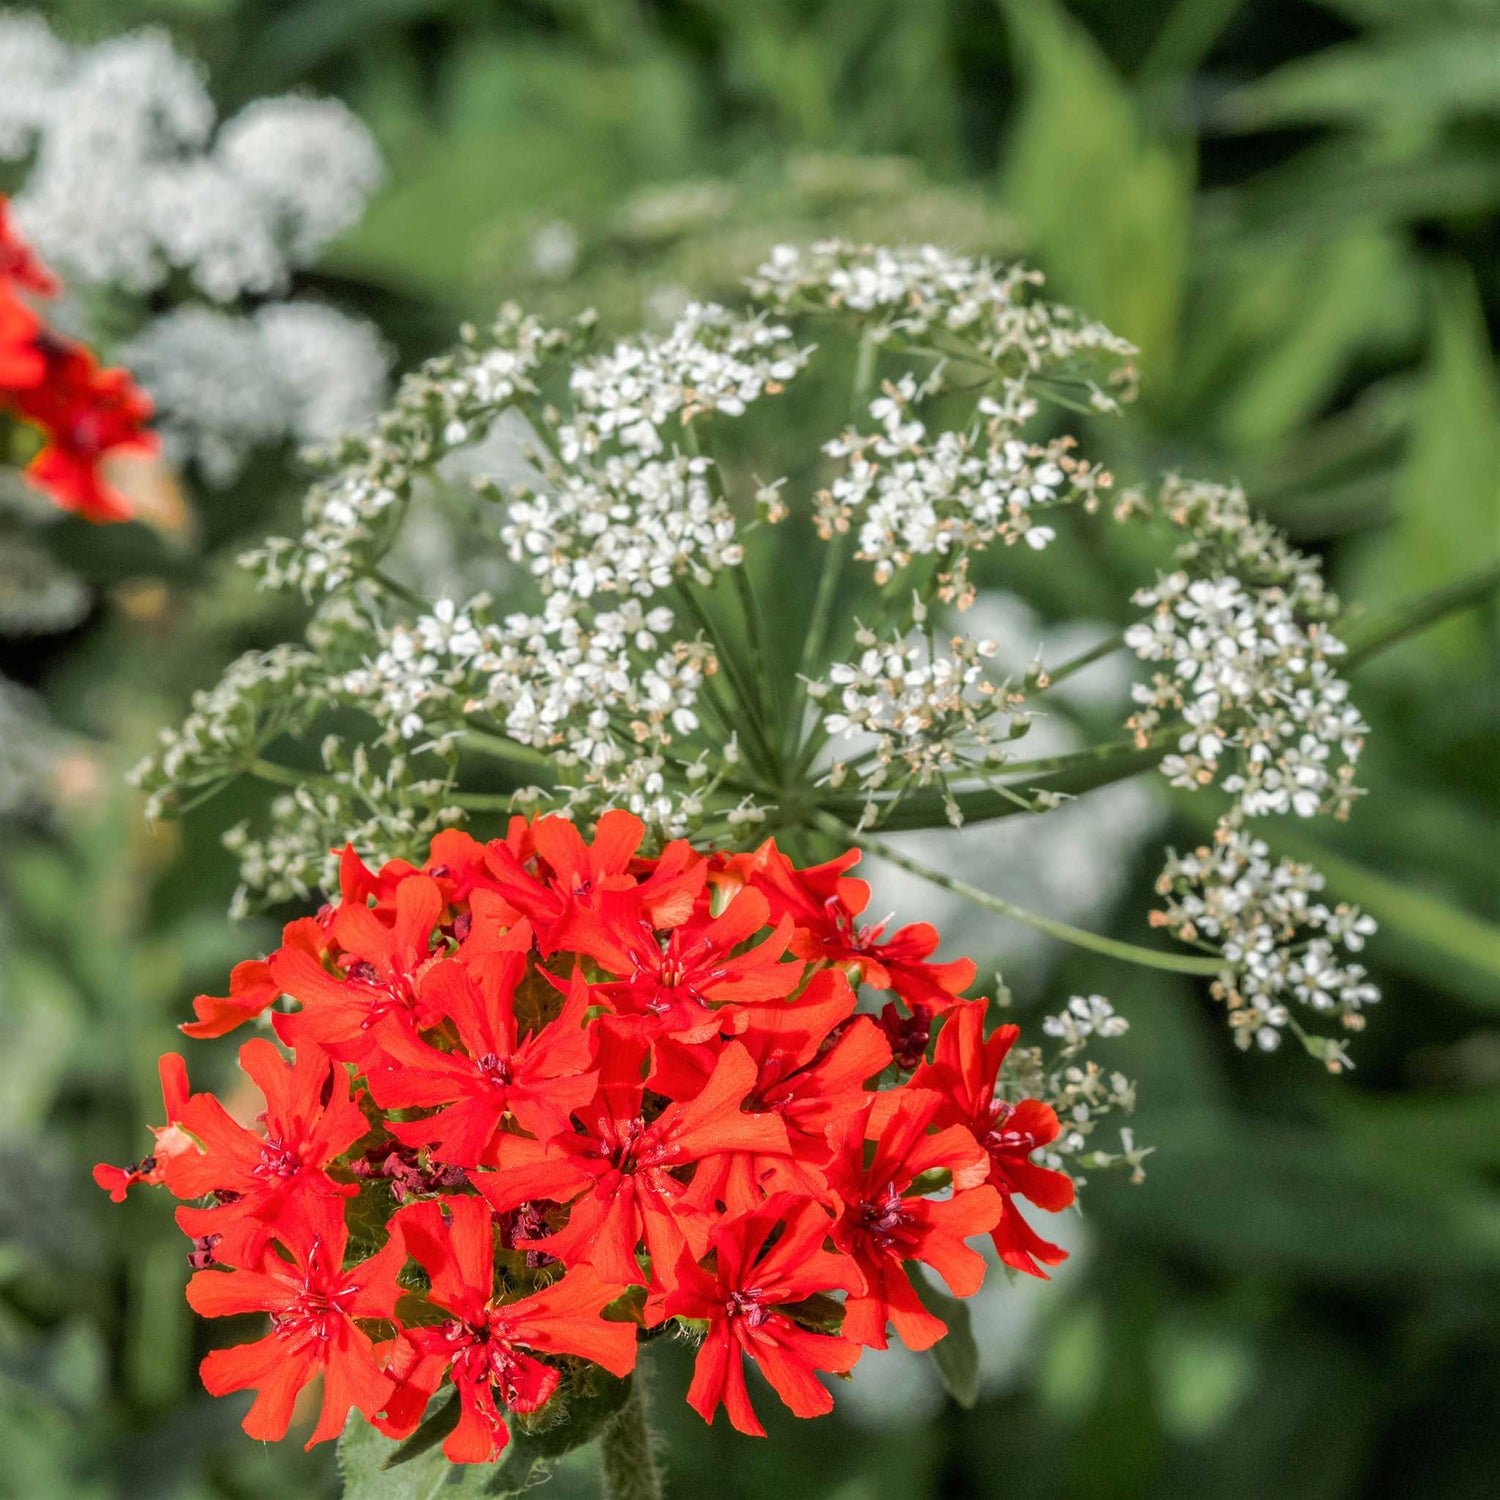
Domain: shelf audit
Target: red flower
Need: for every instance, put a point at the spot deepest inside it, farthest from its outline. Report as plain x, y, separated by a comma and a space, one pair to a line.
812, 1064
88, 415
22, 364
882, 1227
746, 1300
252, 991
962, 1074
171, 1140
674, 987
19, 263
483, 1345
538, 1080
383, 957
313, 1302
625, 1166
824, 903
263, 1181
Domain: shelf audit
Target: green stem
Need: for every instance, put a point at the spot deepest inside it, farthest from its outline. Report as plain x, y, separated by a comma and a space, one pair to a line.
625, 1451
1173, 963
758, 745
399, 590
509, 751
1069, 775
1417, 614
1085, 659
759, 663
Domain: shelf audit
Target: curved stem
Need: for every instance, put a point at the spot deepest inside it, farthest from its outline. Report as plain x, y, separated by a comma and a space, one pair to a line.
625, 1451
1149, 958
1417, 614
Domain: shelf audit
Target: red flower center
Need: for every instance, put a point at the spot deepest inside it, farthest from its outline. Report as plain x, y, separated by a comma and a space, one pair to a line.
277, 1160
885, 1221
496, 1069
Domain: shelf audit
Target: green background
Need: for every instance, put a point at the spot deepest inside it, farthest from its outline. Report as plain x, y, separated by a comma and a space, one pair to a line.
1290, 207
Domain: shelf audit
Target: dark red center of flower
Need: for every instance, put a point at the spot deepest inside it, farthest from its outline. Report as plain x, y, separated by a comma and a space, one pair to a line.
393, 992
746, 1306
884, 1221
277, 1160
999, 1141
495, 1068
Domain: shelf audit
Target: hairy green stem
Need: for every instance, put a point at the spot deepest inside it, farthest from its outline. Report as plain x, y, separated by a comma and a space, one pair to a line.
1078, 937
625, 1451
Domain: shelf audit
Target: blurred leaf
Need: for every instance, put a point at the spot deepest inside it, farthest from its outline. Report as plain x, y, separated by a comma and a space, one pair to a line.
308, 34
1340, 299
1104, 204
1409, 78
1448, 496
956, 1355
1291, 1202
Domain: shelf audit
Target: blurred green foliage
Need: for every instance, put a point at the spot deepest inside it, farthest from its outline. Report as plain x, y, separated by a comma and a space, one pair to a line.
1291, 206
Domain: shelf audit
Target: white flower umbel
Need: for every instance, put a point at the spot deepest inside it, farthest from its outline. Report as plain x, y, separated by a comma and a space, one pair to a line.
1280, 944
606, 645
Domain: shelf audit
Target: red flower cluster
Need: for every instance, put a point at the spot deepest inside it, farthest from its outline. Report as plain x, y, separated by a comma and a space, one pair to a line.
549, 1097
86, 413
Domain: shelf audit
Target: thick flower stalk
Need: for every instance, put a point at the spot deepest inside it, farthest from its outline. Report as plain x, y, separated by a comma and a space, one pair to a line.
548, 1099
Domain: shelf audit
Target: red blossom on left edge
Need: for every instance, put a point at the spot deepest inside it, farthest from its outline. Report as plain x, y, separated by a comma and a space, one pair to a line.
88, 415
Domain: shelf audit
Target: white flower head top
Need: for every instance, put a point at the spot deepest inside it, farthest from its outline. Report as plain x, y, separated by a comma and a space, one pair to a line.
651, 633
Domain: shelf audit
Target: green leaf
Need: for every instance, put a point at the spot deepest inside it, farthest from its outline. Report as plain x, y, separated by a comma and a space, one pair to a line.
1447, 492
1421, 80
1103, 201
363, 1455
956, 1355
442, 1417
580, 1419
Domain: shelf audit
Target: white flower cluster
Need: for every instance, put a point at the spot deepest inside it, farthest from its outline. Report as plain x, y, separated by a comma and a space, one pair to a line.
262, 695
922, 715
1250, 696
1245, 675
602, 680
373, 807
225, 386
452, 401
910, 494
1278, 941
1082, 1093
130, 183
710, 360
569, 535
920, 291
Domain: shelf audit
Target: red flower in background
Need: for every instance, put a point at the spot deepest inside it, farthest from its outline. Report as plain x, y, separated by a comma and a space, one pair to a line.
314, 1302
88, 415
554, 1070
